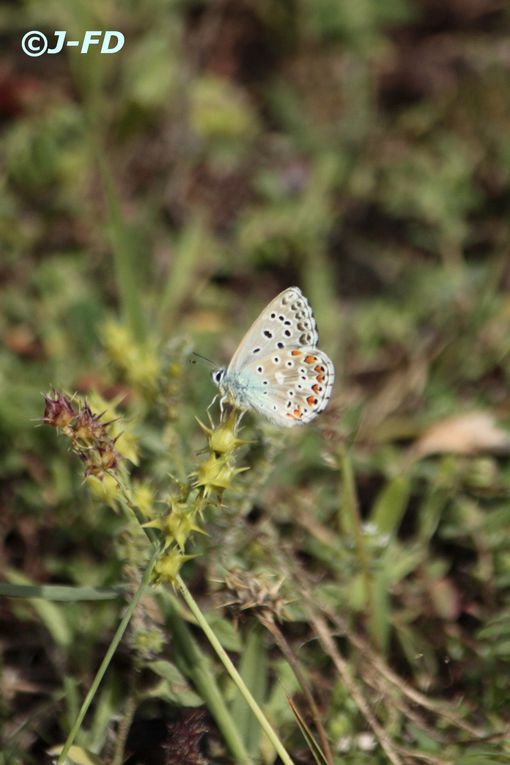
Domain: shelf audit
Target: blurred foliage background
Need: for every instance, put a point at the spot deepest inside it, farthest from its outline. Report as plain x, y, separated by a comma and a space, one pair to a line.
151, 203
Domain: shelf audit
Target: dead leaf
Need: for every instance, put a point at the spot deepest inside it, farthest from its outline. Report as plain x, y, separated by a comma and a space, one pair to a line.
468, 433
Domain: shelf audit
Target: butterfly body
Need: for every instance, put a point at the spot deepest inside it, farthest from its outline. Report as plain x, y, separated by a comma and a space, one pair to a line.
277, 370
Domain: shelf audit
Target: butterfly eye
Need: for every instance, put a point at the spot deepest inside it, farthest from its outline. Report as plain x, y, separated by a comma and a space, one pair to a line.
217, 376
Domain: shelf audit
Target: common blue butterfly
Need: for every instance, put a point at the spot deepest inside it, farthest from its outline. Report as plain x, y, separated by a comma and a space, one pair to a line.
277, 369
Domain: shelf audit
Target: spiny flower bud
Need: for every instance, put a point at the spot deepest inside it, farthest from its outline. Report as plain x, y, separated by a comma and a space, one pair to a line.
89, 436
178, 524
167, 567
223, 439
88, 427
58, 411
216, 474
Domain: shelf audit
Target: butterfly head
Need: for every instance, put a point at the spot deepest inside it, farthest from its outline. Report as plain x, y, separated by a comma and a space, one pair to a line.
218, 375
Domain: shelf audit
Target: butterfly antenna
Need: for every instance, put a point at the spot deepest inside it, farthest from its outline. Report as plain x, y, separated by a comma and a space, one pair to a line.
204, 358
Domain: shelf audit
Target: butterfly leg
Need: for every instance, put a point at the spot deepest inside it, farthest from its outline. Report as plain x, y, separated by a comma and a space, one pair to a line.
208, 410
223, 401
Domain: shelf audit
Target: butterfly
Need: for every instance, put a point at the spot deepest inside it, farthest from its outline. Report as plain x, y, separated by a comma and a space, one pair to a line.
277, 369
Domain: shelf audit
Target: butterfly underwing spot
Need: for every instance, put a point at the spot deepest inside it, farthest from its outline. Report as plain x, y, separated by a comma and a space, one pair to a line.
290, 363
295, 352
260, 370
280, 345
272, 315
288, 297
256, 350
276, 359
287, 333
267, 333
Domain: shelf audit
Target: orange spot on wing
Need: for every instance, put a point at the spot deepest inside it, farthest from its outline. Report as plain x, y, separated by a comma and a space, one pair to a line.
319, 368
317, 388
310, 359
311, 400
297, 412
295, 353
320, 378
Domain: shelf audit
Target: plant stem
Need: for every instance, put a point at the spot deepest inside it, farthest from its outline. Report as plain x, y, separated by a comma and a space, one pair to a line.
234, 674
108, 656
196, 667
353, 524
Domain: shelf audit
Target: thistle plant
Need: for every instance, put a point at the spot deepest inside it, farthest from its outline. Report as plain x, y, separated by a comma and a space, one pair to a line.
98, 444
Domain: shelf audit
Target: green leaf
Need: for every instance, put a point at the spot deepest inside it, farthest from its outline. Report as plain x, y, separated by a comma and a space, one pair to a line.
226, 633
52, 616
174, 687
381, 612
60, 592
253, 670
391, 504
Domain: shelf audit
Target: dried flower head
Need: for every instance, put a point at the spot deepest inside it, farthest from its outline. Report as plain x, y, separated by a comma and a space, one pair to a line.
245, 591
58, 410
90, 438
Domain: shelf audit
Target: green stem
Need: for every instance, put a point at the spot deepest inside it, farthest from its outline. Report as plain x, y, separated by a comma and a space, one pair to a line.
108, 656
196, 667
234, 674
353, 524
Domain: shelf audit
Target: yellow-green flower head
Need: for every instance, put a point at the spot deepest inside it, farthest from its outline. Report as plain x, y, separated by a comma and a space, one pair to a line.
223, 439
177, 525
144, 498
105, 489
167, 568
216, 474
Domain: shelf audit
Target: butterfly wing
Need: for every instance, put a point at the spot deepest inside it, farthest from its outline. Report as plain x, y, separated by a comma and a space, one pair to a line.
290, 386
287, 321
